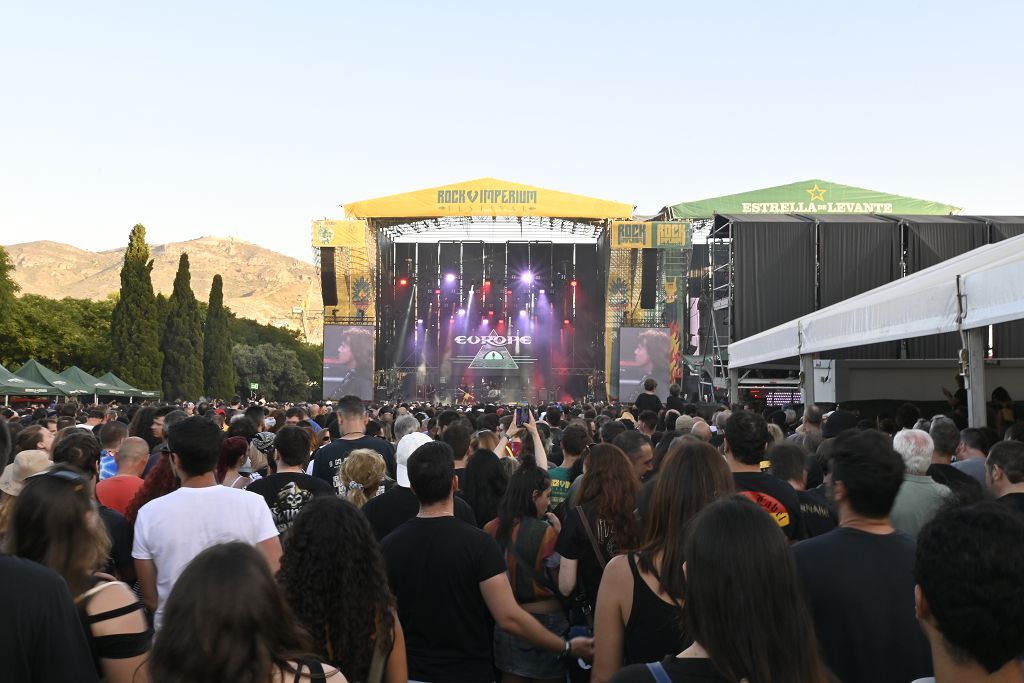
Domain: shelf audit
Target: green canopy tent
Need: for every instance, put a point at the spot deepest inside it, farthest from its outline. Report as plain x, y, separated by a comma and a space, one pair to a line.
118, 387
35, 371
810, 197
12, 385
76, 376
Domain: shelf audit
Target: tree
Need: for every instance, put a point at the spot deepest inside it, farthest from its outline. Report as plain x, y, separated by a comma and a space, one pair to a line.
8, 302
221, 379
183, 339
134, 325
59, 334
275, 368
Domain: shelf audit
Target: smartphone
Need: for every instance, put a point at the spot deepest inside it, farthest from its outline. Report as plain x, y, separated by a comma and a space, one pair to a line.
522, 417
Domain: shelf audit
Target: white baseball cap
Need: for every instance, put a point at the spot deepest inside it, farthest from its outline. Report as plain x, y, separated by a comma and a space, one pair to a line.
406, 447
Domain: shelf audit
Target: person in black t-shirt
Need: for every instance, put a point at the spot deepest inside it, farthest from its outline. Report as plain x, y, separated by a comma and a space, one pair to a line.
675, 401
790, 462
970, 602
41, 637
648, 400
859, 577
1004, 472
743, 610
397, 505
290, 488
449, 582
946, 441
352, 425
746, 439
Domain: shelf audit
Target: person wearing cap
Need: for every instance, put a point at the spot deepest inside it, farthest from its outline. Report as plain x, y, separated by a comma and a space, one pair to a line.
392, 508
26, 463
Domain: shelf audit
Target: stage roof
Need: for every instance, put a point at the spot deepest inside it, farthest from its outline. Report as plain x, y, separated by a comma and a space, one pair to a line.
810, 197
488, 197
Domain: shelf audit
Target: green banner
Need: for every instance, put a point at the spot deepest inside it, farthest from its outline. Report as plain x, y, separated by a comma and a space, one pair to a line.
809, 196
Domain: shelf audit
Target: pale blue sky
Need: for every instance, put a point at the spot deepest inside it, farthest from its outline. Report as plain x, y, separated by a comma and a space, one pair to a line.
250, 119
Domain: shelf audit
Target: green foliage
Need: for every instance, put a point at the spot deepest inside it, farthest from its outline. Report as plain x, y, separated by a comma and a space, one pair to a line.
59, 334
7, 290
221, 379
183, 339
134, 325
275, 368
245, 331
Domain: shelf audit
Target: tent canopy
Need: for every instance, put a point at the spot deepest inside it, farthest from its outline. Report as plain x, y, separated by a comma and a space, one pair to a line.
76, 376
979, 288
808, 196
40, 374
12, 385
488, 197
118, 387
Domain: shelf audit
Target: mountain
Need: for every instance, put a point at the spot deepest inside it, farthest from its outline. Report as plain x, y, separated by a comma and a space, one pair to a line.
259, 284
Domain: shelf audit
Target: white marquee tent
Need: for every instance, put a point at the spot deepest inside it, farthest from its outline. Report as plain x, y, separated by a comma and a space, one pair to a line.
968, 293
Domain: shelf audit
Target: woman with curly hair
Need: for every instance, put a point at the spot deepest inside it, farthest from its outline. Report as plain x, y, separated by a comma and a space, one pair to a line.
602, 525
361, 475
160, 481
333, 576
257, 640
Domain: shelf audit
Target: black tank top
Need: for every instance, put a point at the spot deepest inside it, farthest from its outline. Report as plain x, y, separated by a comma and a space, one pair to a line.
655, 628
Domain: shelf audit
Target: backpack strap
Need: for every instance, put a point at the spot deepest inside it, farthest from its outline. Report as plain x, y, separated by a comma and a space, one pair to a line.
590, 535
658, 672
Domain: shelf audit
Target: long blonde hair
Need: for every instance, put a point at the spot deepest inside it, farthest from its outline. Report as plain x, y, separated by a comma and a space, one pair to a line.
361, 474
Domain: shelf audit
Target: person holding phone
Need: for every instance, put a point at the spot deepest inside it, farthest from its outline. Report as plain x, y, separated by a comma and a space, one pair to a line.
523, 419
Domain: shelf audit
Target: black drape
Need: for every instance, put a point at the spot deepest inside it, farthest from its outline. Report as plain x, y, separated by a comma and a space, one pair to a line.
932, 240
1007, 338
857, 254
773, 272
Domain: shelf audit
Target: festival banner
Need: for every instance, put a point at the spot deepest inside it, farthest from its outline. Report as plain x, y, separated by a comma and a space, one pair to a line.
651, 235
344, 233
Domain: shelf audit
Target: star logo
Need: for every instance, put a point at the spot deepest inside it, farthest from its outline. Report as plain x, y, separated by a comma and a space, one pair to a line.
817, 193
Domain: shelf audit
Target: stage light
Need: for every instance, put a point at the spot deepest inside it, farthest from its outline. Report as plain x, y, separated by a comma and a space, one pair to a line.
462, 311
449, 277
402, 282
541, 291
419, 321
526, 277
437, 291
508, 292
565, 322
572, 283
487, 284
490, 312
522, 312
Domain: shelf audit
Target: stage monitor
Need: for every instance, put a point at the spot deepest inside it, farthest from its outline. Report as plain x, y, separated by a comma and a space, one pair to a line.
644, 353
348, 361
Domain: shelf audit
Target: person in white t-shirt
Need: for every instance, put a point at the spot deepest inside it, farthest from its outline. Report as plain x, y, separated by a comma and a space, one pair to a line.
173, 529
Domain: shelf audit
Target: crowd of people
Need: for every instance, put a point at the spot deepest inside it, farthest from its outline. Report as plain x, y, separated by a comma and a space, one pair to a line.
646, 543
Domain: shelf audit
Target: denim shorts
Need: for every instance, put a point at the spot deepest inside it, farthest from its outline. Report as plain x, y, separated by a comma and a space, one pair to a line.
519, 658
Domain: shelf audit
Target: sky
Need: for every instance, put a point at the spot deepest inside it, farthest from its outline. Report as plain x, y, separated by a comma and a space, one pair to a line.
251, 119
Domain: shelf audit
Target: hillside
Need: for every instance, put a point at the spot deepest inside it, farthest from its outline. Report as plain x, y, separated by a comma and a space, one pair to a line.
259, 284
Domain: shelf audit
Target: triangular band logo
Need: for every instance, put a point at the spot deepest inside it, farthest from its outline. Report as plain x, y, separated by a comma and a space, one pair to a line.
493, 357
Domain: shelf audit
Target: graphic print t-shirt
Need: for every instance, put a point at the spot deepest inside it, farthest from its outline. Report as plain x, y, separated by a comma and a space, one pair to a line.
775, 496
286, 493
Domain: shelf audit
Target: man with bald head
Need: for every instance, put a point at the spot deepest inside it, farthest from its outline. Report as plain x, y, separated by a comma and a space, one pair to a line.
117, 491
702, 431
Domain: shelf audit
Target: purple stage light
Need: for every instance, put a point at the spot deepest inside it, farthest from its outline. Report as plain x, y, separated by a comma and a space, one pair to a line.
522, 312
419, 322
462, 311
527, 277
449, 278
541, 291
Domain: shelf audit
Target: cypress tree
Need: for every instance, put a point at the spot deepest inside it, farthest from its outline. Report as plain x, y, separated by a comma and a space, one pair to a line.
183, 339
217, 361
134, 326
